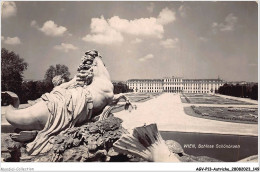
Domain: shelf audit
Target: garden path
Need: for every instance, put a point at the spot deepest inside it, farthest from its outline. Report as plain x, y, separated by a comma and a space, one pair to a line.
167, 111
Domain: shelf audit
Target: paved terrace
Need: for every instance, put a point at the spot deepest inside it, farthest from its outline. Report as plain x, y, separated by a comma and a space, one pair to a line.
168, 112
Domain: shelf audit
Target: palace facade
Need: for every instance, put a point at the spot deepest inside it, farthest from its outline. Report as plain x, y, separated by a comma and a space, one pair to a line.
175, 85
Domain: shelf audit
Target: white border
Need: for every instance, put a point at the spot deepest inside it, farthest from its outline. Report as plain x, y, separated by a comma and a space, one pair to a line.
129, 166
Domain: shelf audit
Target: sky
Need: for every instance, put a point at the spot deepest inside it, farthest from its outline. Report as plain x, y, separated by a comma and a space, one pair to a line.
137, 40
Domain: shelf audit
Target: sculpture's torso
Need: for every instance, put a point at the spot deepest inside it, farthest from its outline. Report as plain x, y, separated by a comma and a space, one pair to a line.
102, 92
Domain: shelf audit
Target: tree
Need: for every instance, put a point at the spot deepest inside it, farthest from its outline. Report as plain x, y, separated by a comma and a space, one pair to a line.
121, 88
244, 90
12, 68
254, 93
53, 71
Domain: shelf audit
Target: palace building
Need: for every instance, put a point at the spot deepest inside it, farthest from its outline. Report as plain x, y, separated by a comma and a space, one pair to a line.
175, 85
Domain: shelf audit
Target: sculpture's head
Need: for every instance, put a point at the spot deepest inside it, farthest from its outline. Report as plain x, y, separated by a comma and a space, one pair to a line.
99, 68
92, 66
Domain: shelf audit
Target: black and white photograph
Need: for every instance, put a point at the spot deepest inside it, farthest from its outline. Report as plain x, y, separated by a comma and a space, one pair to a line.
126, 82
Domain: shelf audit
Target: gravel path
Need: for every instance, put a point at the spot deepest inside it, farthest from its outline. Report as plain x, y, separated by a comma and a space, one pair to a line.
167, 111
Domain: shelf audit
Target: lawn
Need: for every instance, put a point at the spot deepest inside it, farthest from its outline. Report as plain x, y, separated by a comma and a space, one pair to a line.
199, 95
209, 99
229, 114
141, 97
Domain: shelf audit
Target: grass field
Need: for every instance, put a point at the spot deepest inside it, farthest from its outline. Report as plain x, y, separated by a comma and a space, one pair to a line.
199, 95
141, 97
229, 114
209, 99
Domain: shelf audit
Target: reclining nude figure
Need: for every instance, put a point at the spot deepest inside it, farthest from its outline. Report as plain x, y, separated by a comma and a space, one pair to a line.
70, 104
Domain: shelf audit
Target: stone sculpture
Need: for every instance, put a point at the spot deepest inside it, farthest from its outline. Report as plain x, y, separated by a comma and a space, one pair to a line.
69, 104
58, 80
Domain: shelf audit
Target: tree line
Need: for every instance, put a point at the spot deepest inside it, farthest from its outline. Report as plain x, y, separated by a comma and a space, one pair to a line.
121, 88
240, 90
12, 70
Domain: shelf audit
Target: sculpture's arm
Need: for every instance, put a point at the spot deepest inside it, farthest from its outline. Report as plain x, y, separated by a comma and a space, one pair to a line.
107, 110
118, 97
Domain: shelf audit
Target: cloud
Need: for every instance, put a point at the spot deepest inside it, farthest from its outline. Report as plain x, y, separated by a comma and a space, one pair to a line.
108, 37
227, 25
147, 57
50, 28
203, 39
11, 41
214, 24
34, 24
150, 7
102, 32
65, 47
170, 43
108, 31
138, 27
183, 10
8, 9
136, 41
214, 27
166, 16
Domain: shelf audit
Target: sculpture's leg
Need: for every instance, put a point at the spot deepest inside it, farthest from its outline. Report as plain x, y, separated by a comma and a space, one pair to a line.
24, 136
31, 118
107, 110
